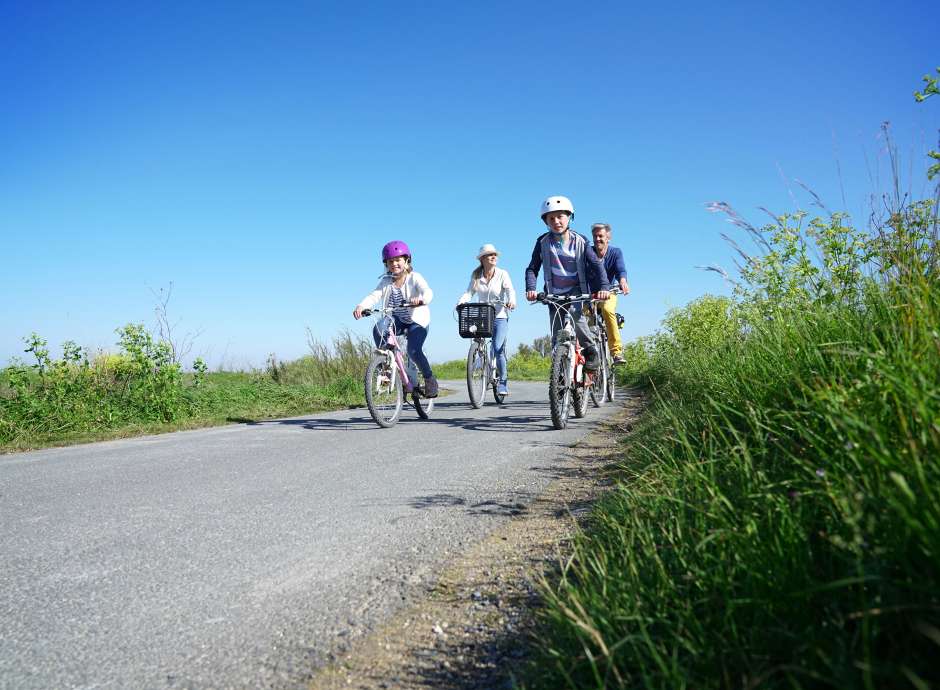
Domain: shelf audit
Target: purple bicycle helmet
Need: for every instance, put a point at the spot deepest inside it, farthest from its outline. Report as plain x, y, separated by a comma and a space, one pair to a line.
395, 248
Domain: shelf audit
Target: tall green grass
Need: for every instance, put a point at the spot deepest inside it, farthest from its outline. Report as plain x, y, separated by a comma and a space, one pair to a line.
140, 389
777, 522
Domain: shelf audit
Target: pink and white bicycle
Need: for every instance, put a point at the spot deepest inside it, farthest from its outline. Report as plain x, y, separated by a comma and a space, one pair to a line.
388, 380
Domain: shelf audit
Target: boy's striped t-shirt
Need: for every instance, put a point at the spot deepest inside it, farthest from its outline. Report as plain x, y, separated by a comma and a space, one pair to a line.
564, 266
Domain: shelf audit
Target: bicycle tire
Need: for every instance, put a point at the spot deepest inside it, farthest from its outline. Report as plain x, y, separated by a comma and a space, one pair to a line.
384, 395
611, 390
423, 406
598, 391
477, 370
559, 387
579, 396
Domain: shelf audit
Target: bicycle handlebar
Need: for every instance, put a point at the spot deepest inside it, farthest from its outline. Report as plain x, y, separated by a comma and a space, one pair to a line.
389, 310
546, 298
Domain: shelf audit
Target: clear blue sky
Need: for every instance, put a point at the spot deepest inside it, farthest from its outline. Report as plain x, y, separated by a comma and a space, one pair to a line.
258, 155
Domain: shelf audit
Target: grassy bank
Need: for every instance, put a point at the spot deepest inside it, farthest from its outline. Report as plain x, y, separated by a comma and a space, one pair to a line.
777, 521
82, 397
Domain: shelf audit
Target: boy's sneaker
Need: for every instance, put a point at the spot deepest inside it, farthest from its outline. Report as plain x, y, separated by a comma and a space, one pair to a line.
502, 388
430, 387
618, 359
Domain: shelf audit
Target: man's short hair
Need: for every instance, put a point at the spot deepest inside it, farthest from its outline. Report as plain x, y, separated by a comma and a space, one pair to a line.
603, 226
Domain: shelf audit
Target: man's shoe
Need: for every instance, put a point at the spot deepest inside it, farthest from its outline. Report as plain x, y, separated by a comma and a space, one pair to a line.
430, 387
502, 389
591, 361
618, 359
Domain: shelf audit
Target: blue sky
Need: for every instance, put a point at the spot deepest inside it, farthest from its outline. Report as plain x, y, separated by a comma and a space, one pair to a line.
258, 155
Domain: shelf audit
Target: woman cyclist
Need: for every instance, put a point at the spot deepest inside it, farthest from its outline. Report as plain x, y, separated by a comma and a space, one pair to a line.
488, 284
408, 293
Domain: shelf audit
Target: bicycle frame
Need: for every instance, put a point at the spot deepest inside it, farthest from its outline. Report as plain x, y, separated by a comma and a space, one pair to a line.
390, 347
566, 333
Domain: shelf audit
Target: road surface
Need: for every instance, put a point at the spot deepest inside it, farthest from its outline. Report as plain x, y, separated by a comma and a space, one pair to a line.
240, 556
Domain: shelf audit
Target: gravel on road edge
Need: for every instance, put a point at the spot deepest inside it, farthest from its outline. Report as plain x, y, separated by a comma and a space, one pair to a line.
471, 631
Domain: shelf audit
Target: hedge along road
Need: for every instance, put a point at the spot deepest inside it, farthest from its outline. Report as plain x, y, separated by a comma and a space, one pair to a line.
243, 555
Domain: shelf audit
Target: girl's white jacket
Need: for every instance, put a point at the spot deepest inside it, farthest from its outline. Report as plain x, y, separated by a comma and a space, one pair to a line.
499, 288
414, 286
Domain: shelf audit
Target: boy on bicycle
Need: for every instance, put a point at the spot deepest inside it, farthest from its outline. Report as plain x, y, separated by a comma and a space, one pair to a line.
616, 273
571, 267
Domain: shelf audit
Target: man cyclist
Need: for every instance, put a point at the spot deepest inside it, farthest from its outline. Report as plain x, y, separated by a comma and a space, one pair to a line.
616, 273
571, 267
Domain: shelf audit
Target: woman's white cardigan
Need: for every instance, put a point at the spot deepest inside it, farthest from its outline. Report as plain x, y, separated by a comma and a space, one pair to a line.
497, 288
414, 286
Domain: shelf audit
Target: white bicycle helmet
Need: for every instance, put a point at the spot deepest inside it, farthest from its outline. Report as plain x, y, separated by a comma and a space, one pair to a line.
557, 203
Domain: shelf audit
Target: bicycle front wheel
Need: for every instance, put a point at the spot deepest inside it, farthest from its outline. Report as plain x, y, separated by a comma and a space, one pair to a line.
611, 390
559, 386
477, 373
599, 389
383, 391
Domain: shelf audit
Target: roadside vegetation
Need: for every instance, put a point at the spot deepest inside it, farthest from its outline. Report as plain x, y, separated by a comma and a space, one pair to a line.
777, 518
142, 388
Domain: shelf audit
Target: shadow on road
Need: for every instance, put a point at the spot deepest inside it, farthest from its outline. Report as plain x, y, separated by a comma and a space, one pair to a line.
522, 415
479, 508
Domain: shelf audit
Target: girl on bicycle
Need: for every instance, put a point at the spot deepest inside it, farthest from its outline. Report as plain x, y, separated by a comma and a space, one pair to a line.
489, 284
408, 293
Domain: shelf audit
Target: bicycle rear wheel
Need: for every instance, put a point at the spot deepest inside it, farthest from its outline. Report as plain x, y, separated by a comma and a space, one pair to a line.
477, 373
384, 396
579, 396
559, 386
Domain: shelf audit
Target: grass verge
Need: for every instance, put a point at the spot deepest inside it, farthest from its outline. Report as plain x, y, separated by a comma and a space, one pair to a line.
777, 518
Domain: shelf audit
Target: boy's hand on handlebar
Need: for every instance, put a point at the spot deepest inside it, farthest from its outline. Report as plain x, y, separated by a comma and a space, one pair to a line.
601, 295
531, 295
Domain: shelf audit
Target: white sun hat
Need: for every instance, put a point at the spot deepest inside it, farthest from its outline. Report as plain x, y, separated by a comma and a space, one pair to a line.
486, 249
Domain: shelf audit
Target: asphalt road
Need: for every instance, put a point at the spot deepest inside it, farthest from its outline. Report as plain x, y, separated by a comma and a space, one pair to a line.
239, 556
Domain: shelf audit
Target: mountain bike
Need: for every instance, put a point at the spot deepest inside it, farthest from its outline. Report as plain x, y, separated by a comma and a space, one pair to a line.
477, 320
387, 378
605, 386
569, 382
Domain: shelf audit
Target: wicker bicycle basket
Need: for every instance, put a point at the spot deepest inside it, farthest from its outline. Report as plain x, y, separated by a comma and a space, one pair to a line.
475, 320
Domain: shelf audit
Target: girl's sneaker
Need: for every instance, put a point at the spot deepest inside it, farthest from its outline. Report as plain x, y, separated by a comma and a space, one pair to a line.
502, 388
430, 387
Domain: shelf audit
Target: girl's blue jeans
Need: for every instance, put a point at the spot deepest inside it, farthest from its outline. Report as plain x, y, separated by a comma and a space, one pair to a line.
416, 336
500, 332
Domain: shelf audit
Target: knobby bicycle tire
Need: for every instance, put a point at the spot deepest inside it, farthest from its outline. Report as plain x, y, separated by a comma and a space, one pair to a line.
599, 389
384, 395
579, 395
559, 386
